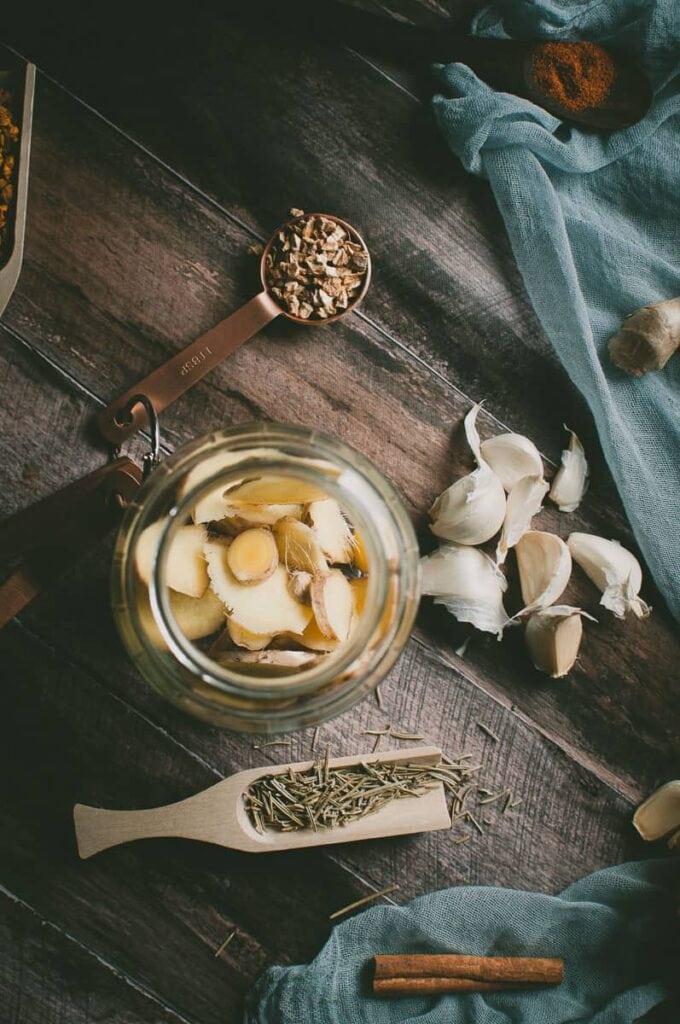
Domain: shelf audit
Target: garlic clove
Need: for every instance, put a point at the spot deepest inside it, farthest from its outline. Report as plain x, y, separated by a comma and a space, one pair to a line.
472, 434
553, 637
659, 814
571, 478
512, 457
544, 564
472, 509
674, 840
614, 570
524, 502
468, 584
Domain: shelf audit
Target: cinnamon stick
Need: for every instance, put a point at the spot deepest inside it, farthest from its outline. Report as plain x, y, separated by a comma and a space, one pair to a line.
438, 986
450, 972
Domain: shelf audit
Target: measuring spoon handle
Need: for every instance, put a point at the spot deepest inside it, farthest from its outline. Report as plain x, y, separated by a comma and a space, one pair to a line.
170, 380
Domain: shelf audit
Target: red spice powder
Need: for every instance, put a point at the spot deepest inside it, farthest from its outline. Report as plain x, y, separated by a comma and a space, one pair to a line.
576, 75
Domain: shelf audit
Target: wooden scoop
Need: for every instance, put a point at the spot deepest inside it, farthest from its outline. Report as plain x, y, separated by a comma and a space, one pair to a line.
218, 814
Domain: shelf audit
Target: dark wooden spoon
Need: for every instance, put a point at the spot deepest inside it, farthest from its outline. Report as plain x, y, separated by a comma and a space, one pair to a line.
505, 65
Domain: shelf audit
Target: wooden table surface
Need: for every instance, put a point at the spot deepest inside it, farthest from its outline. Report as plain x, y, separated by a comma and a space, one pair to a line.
163, 149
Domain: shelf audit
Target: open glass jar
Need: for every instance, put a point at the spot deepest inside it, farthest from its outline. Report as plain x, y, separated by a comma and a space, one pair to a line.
202, 653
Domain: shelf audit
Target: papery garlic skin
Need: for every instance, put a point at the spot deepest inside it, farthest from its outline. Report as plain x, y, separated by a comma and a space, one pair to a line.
553, 638
512, 457
524, 502
468, 584
472, 509
614, 570
544, 564
659, 814
571, 478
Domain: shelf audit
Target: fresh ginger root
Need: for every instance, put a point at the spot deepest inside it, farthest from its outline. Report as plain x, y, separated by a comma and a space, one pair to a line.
647, 338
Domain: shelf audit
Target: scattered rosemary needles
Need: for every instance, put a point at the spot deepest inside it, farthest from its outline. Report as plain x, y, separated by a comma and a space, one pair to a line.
321, 797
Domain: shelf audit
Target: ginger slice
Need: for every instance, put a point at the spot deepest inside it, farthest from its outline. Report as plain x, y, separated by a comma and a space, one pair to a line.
274, 664
298, 547
214, 506
196, 617
244, 638
186, 570
331, 530
359, 592
270, 490
333, 604
360, 558
284, 659
264, 607
299, 584
313, 639
253, 555
243, 516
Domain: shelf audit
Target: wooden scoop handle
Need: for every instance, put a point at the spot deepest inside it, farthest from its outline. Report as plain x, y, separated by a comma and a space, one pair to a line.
170, 380
98, 829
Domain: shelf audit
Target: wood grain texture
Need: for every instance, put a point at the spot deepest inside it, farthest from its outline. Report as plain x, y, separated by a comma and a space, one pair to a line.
109, 313
332, 133
128, 260
47, 976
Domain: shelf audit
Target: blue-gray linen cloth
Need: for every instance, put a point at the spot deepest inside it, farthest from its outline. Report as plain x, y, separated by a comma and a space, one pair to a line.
613, 929
594, 223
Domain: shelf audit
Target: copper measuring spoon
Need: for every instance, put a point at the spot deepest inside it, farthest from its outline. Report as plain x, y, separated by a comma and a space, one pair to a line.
167, 382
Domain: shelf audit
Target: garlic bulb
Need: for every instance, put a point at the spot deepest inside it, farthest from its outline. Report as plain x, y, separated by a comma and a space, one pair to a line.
512, 457
472, 509
544, 565
524, 502
613, 570
660, 812
553, 637
468, 584
571, 478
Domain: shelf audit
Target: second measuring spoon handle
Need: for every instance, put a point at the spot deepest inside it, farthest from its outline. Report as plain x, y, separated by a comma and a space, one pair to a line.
170, 380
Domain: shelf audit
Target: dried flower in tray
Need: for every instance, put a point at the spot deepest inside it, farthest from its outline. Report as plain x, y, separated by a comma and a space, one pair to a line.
9, 137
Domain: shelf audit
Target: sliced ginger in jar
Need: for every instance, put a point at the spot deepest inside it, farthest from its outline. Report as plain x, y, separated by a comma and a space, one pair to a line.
331, 530
196, 617
298, 547
264, 607
269, 490
186, 570
253, 555
333, 604
246, 638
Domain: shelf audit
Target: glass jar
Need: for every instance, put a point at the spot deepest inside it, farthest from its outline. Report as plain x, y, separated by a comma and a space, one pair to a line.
250, 698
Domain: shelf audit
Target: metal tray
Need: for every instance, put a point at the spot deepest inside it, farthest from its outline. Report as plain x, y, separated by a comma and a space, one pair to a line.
19, 79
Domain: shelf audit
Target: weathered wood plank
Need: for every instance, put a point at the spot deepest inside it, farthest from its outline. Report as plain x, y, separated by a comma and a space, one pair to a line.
46, 977
333, 133
81, 725
121, 285
157, 912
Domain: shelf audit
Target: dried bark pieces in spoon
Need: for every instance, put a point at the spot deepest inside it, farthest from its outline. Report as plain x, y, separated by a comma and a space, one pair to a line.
315, 268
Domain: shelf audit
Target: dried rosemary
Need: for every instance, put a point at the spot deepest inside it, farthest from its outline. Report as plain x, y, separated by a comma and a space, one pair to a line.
363, 901
322, 797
